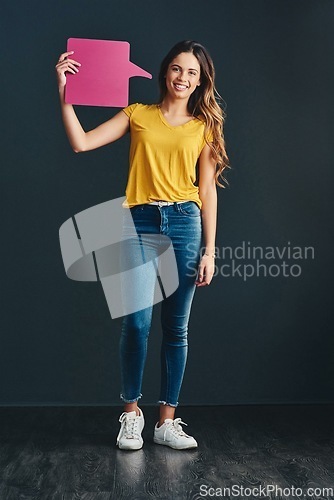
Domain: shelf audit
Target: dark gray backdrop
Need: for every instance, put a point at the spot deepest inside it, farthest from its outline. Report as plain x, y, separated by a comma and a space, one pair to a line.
260, 340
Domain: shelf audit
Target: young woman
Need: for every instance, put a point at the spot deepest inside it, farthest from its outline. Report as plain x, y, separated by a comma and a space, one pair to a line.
168, 141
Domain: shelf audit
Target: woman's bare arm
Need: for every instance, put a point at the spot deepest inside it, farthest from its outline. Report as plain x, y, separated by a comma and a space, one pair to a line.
80, 141
208, 195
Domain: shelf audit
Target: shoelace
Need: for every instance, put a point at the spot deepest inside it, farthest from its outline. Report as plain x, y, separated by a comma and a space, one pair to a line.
175, 428
129, 425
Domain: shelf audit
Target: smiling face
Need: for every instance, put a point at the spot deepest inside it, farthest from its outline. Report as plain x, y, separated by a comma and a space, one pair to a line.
183, 75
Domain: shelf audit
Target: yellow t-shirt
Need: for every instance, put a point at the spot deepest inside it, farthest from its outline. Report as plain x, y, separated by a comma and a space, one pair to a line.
163, 157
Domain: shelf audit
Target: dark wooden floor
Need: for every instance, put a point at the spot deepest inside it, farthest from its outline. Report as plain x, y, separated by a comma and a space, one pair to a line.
69, 453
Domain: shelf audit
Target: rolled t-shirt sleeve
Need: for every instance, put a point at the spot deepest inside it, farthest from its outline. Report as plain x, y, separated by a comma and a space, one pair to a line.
130, 109
209, 138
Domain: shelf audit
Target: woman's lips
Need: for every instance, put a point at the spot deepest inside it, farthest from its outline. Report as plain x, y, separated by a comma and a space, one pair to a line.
179, 86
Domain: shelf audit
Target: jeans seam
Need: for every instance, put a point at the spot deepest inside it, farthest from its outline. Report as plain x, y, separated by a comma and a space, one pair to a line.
167, 373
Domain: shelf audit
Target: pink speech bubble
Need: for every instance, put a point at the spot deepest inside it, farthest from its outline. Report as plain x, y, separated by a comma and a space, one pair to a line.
103, 77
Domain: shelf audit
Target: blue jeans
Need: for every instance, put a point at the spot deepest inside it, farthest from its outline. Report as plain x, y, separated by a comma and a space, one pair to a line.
182, 223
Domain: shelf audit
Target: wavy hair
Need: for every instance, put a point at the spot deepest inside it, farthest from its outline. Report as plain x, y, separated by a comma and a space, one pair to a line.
202, 103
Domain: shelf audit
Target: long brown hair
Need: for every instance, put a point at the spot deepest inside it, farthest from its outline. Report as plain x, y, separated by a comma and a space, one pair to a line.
203, 101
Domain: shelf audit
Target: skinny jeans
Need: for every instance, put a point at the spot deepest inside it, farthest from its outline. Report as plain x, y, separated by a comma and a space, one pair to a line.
182, 224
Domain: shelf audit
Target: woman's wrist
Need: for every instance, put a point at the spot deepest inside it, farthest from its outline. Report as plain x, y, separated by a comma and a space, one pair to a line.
61, 91
210, 250
210, 254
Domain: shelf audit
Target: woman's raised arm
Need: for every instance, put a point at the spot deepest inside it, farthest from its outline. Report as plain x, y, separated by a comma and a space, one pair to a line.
80, 141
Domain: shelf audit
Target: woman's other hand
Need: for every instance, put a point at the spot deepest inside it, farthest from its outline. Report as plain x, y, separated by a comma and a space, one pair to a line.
206, 271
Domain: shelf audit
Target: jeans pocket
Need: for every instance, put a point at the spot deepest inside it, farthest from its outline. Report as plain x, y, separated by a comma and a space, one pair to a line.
190, 208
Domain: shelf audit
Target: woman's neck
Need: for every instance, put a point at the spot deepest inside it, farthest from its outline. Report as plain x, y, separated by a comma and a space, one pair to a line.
175, 107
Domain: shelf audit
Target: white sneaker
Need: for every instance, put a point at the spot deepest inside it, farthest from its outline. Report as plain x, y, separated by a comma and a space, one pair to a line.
170, 433
129, 436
